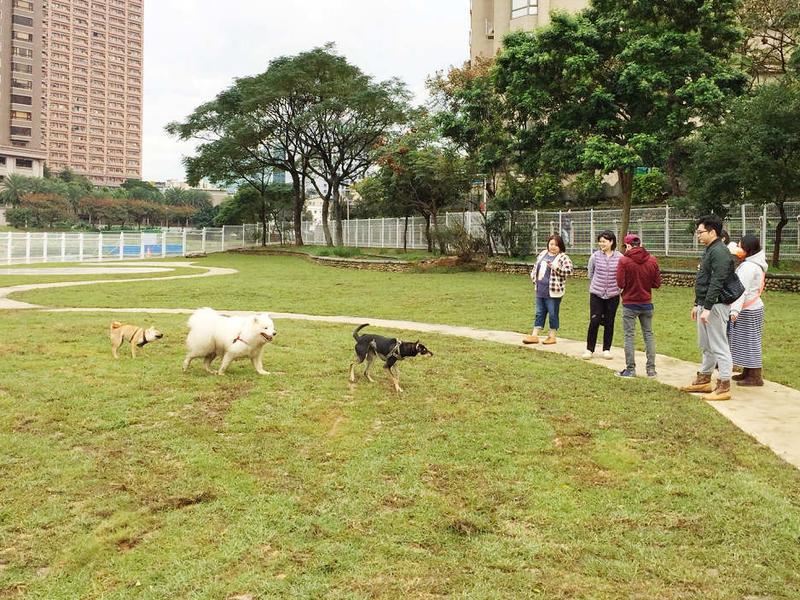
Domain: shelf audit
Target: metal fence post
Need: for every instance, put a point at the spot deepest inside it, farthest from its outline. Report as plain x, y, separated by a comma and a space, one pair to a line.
28, 248
764, 228
80, 247
9, 246
221, 241
243, 242
383, 226
141, 244
641, 229
121, 245
44, 246
369, 233
183, 240
100, 245
592, 236
203, 241
163, 243
666, 230
744, 220
63, 247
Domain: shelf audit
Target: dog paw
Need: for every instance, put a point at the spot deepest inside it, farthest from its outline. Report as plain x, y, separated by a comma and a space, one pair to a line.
262, 372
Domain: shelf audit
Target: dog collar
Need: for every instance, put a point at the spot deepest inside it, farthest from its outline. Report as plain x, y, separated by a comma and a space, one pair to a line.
144, 339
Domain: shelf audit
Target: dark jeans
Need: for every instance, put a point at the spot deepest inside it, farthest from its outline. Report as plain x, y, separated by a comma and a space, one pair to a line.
547, 307
601, 312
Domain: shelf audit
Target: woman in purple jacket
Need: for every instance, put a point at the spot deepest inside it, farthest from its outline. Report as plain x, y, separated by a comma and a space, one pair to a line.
603, 293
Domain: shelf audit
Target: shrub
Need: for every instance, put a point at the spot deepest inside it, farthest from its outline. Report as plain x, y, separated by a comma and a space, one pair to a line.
649, 188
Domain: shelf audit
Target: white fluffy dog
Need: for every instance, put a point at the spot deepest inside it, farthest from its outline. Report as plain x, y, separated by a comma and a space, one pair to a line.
212, 334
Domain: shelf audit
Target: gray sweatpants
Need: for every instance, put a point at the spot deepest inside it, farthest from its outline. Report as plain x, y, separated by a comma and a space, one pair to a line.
713, 341
629, 316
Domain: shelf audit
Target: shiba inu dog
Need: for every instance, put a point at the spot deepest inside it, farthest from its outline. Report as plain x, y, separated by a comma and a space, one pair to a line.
136, 336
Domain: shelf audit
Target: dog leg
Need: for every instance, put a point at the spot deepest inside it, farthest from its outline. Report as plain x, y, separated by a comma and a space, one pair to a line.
187, 361
395, 377
258, 362
133, 349
114, 347
370, 358
227, 359
207, 360
357, 361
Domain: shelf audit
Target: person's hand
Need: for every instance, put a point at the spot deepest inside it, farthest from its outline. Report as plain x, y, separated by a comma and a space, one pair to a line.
734, 316
694, 313
704, 316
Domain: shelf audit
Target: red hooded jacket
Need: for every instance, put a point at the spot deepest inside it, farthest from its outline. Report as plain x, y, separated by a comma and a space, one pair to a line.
637, 275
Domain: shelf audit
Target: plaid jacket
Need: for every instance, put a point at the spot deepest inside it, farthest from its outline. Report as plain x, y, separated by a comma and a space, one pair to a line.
559, 271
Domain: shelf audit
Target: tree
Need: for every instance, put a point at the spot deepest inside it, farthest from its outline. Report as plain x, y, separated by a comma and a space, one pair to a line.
14, 187
251, 205
772, 35
41, 210
142, 190
352, 114
620, 84
753, 156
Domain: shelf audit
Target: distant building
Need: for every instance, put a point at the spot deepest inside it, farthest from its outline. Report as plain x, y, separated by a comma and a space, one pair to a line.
71, 83
491, 20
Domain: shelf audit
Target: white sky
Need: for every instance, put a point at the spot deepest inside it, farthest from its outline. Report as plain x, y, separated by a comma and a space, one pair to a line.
194, 48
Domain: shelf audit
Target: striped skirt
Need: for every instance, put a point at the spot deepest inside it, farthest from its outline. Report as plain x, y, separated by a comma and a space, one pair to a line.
744, 337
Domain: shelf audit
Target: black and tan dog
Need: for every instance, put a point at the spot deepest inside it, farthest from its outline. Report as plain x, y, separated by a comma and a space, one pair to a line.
137, 336
389, 350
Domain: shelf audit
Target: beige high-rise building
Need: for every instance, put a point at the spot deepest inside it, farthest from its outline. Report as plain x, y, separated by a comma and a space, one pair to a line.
491, 20
85, 83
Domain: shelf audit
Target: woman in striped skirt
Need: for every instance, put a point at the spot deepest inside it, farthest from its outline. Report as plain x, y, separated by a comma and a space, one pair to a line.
747, 313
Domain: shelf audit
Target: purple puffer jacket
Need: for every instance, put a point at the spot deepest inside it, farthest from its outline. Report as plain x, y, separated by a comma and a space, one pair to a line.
603, 274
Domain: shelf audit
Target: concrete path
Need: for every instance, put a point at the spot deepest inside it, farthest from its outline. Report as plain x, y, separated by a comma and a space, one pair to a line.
771, 414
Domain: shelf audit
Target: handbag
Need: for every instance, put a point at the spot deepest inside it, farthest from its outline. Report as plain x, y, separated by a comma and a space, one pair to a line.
732, 289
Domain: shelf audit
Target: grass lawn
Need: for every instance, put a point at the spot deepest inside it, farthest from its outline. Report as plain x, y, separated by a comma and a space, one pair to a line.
486, 300
9, 280
500, 472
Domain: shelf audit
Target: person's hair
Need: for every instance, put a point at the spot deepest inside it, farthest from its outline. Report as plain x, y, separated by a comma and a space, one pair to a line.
750, 244
608, 235
711, 223
559, 242
725, 237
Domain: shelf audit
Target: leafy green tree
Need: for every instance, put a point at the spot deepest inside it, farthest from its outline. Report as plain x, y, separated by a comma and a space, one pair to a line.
250, 205
620, 84
753, 156
142, 190
772, 35
14, 187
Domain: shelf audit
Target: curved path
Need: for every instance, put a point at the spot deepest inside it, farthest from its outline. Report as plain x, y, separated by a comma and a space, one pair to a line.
771, 414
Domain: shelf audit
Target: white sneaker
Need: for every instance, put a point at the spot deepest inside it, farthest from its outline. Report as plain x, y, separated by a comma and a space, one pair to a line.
607, 354
587, 354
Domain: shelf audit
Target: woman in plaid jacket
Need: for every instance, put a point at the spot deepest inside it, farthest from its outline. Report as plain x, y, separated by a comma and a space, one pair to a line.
549, 275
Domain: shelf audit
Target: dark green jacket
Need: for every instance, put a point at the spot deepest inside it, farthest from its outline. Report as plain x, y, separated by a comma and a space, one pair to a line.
715, 267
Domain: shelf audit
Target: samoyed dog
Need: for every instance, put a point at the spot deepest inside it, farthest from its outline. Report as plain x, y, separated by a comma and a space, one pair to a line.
212, 334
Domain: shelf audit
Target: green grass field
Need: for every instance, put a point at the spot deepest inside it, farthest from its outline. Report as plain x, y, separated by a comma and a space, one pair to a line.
499, 473
485, 300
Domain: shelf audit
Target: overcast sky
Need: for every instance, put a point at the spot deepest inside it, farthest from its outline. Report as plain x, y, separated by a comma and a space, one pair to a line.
194, 48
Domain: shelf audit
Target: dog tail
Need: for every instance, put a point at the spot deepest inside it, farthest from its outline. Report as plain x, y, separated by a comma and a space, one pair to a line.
357, 329
115, 324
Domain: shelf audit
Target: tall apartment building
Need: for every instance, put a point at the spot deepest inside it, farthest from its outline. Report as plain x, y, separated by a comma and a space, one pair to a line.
21, 88
86, 59
493, 19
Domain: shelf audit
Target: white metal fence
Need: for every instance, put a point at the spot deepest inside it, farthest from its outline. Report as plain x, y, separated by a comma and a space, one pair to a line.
664, 231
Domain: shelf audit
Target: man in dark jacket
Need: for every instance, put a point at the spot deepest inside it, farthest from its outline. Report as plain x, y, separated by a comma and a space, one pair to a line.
710, 314
637, 275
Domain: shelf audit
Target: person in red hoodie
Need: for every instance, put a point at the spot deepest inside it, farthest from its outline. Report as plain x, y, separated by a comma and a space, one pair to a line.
637, 275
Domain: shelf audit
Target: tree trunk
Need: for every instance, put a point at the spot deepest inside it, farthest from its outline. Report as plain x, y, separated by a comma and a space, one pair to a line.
405, 236
626, 182
326, 203
299, 200
264, 218
439, 240
337, 213
428, 237
776, 249
672, 175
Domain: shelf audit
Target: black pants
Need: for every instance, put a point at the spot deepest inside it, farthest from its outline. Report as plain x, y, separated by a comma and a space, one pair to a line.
601, 312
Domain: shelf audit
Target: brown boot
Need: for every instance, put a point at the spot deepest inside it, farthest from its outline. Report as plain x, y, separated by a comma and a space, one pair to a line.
530, 339
722, 391
753, 378
551, 338
701, 383
742, 375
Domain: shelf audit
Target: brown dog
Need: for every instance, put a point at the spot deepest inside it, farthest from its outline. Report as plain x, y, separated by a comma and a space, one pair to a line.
136, 336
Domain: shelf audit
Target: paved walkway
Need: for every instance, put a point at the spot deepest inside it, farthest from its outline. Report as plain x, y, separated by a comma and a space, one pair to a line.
771, 414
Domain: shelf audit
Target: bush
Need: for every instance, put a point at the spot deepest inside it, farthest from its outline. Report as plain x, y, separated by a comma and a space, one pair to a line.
649, 188
457, 240
340, 251
586, 189
514, 237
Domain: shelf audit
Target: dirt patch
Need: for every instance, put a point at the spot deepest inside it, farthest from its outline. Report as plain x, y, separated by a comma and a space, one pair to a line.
213, 407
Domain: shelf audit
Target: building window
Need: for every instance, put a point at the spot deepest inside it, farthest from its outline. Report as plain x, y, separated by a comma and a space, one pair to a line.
21, 84
17, 99
21, 115
21, 68
20, 20
24, 163
22, 36
26, 131
19, 143
26, 4
523, 8
2, 160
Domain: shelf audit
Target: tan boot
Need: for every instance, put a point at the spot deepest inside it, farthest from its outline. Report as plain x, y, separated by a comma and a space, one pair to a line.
701, 383
753, 378
530, 339
722, 391
551, 338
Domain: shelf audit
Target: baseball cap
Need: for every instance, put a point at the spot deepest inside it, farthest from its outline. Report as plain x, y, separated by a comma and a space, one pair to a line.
632, 238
